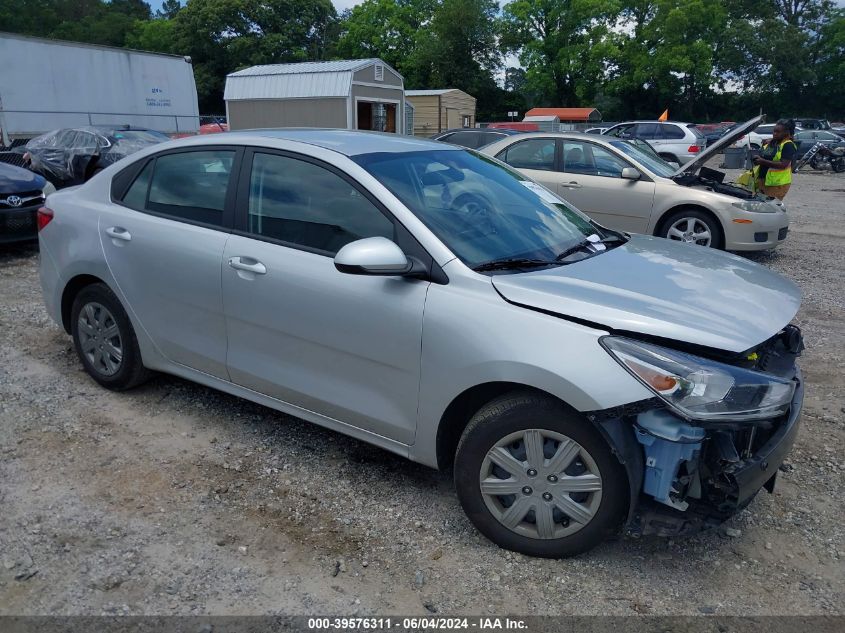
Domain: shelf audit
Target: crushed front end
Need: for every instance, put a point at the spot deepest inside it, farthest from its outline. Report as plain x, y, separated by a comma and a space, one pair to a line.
693, 460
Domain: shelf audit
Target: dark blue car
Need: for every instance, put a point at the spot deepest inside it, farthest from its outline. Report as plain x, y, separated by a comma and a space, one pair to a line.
22, 193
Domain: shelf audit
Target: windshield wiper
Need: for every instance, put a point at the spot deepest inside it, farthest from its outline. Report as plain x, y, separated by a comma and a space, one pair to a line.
580, 246
512, 262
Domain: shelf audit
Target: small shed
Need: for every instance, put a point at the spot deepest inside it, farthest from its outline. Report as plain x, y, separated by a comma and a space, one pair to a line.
438, 110
570, 118
358, 94
545, 123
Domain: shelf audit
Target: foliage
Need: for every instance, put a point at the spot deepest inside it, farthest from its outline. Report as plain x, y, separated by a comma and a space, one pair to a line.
702, 59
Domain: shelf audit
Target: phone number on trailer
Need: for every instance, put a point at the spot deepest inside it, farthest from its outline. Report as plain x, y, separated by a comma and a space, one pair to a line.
408, 624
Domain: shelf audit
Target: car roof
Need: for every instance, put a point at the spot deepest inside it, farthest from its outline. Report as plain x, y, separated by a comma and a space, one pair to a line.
491, 130
652, 121
346, 142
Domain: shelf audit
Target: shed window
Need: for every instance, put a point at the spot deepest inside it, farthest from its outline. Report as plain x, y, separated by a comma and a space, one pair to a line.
379, 72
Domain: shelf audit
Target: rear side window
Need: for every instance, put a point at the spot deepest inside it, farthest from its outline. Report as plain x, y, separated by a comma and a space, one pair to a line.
307, 205
136, 196
673, 132
192, 185
695, 131
538, 153
188, 186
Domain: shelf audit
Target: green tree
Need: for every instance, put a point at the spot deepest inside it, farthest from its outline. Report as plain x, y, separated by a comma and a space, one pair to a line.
224, 35
562, 44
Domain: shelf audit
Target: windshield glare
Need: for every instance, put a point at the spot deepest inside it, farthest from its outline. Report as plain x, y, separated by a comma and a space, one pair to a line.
482, 210
654, 164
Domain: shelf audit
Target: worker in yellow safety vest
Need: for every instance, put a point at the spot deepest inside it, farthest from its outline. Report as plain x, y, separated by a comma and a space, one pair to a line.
773, 167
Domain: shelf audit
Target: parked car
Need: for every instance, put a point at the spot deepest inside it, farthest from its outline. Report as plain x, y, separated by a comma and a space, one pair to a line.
713, 134
473, 137
765, 132
22, 193
811, 124
675, 142
577, 379
71, 156
805, 139
624, 188
519, 126
596, 130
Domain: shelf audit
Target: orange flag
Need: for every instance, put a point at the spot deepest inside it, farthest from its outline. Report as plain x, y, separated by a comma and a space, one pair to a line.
664, 116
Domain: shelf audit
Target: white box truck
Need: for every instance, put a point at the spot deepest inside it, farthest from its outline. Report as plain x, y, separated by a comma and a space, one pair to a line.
49, 84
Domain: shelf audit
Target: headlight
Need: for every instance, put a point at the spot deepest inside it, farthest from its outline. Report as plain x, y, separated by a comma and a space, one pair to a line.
702, 389
754, 206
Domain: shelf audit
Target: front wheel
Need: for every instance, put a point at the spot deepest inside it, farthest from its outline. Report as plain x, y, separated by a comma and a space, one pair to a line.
692, 226
536, 478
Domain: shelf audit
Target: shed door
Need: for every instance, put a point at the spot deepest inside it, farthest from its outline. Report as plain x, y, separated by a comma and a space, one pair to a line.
453, 118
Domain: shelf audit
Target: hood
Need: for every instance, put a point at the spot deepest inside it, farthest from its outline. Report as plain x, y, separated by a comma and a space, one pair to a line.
663, 288
727, 140
17, 180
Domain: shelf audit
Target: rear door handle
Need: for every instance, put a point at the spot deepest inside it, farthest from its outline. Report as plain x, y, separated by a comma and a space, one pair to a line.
572, 185
118, 233
248, 264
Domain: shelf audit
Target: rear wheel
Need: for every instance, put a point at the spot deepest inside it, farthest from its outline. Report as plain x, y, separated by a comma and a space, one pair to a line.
104, 339
692, 226
536, 478
670, 158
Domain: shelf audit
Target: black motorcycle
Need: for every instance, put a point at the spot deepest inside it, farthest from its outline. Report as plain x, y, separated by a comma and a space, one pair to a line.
821, 157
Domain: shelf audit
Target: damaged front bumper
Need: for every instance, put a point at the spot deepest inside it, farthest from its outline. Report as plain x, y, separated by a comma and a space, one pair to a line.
686, 478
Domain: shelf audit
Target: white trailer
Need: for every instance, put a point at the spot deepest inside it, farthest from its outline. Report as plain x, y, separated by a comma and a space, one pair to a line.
50, 84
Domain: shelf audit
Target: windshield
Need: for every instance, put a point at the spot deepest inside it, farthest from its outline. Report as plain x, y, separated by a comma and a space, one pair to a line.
654, 164
482, 210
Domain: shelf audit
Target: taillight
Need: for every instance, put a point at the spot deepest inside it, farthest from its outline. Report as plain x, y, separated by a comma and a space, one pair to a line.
43, 217
693, 149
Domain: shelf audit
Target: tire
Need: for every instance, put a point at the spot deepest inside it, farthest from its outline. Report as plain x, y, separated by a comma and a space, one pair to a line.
513, 419
112, 361
670, 158
754, 146
677, 226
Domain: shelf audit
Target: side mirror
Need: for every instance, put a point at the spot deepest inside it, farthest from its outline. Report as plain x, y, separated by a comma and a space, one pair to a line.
372, 256
629, 173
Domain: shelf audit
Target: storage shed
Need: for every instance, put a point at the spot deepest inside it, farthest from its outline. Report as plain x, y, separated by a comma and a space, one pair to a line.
568, 118
438, 110
358, 94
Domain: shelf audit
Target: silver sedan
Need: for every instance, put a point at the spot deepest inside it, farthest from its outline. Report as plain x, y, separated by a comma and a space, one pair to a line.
436, 303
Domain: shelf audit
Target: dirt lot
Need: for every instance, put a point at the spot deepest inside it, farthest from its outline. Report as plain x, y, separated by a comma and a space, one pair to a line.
176, 499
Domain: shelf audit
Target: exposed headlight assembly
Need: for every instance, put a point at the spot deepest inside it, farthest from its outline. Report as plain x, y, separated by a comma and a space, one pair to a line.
701, 389
755, 206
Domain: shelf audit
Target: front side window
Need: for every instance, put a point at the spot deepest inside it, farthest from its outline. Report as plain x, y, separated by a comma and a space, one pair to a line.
536, 153
304, 204
480, 209
191, 185
621, 131
648, 131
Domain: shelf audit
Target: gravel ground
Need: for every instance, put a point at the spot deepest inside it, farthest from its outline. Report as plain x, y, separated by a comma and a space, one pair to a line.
177, 499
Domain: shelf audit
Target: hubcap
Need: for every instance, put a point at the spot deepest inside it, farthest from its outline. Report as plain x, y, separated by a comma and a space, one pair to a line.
99, 339
690, 231
560, 498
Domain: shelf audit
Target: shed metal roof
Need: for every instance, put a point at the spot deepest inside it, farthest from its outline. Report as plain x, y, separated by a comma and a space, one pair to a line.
567, 114
300, 80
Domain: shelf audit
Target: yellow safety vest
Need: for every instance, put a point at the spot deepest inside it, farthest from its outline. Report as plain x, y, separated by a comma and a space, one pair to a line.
778, 177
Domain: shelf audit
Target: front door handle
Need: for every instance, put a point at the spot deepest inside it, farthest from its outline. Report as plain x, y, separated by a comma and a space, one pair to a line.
572, 185
118, 233
247, 264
